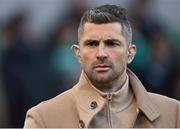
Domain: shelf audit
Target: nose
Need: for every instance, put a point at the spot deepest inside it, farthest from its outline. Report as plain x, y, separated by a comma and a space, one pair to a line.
101, 52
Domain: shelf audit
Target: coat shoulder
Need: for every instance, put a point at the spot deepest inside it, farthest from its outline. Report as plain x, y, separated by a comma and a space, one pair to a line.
50, 112
60, 101
163, 100
168, 107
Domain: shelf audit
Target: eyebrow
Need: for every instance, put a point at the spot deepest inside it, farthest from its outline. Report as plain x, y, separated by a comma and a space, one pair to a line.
91, 40
86, 42
112, 40
107, 40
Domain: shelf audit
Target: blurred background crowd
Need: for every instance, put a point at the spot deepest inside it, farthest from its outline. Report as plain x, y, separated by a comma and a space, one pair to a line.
36, 62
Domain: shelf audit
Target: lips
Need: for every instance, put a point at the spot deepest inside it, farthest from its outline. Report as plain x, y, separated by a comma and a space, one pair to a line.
102, 67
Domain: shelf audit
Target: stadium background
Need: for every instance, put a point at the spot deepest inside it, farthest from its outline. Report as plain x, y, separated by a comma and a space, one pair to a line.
36, 62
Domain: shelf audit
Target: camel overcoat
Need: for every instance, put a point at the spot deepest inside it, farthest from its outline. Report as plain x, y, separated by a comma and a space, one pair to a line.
73, 108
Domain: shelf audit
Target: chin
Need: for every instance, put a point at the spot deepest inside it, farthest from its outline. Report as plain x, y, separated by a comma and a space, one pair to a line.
102, 79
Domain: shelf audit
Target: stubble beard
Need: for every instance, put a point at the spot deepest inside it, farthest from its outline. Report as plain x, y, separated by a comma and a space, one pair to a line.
101, 79
104, 80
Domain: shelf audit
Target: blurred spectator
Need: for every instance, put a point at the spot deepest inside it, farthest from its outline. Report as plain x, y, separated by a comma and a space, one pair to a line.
176, 84
158, 58
63, 63
62, 60
161, 72
4, 107
14, 61
26, 73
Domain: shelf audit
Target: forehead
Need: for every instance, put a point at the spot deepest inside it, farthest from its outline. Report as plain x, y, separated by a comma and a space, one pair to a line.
102, 31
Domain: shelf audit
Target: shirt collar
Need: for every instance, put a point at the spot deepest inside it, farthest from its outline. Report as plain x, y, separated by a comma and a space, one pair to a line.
120, 99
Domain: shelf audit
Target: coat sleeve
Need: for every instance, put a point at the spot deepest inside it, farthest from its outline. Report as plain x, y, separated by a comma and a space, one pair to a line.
178, 116
33, 119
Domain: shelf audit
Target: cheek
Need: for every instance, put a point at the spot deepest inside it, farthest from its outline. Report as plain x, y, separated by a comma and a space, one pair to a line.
86, 59
119, 59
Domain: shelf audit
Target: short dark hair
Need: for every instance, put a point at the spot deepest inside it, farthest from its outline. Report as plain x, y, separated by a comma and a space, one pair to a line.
107, 14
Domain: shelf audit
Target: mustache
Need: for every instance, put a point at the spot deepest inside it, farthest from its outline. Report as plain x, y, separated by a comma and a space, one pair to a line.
102, 62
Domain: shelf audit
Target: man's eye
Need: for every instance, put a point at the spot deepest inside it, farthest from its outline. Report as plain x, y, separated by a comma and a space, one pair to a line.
92, 43
111, 43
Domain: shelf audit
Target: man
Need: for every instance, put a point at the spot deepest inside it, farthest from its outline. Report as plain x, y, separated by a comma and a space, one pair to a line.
108, 94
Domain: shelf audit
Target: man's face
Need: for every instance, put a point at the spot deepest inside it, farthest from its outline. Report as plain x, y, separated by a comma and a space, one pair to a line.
103, 52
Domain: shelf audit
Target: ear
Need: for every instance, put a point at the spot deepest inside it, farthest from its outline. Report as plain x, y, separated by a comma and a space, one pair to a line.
76, 50
131, 53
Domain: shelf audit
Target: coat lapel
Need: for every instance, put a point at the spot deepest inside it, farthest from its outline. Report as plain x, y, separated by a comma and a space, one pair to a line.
143, 99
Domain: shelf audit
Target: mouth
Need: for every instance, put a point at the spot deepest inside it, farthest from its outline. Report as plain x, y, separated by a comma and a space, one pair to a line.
102, 67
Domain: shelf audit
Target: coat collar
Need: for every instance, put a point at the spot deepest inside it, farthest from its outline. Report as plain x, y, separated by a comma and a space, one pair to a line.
85, 94
142, 97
